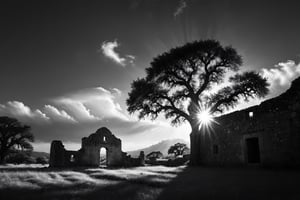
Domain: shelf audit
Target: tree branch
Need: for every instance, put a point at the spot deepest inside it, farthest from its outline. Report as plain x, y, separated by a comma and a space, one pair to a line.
174, 108
181, 81
208, 74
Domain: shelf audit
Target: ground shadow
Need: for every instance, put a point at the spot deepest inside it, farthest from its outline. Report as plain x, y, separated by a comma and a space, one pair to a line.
233, 183
122, 190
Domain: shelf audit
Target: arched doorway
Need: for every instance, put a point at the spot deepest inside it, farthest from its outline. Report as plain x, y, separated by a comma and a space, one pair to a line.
103, 157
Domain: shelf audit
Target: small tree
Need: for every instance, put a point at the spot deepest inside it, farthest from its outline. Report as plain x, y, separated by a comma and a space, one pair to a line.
13, 135
178, 149
154, 155
178, 84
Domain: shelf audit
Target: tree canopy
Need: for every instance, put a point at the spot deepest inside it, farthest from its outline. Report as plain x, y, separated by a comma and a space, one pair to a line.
13, 135
178, 82
154, 155
178, 149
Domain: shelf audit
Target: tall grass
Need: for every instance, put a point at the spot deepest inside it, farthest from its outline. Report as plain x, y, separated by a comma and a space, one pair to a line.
36, 182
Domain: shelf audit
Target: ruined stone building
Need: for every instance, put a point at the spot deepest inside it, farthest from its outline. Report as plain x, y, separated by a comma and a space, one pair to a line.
89, 154
267, 134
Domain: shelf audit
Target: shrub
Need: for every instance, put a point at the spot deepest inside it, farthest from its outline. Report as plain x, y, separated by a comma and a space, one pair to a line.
20, 157
42, 160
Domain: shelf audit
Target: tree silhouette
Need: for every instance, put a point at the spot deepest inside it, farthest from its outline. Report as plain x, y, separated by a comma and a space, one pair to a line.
154, 155
177, 149
178, 83
13, 135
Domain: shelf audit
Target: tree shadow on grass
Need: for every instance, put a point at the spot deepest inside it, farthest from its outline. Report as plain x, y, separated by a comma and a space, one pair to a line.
233, 183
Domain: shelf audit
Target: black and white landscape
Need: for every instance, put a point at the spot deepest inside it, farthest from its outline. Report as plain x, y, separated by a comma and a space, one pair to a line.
149, 99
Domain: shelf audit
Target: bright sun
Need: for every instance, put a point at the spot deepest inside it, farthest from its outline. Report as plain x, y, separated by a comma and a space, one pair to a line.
205, 118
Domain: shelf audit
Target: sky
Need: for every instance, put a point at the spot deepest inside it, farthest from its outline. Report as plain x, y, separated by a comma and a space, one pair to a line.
67, 66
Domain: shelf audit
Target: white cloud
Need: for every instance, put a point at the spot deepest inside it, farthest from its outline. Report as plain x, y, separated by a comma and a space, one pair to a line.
58, 115
93, 104
118, 107
281, 76
180, 8
117, 91
109, 50
130, 59
105, 91
19, 109
80, 112
40, 114
88, 110
130, 56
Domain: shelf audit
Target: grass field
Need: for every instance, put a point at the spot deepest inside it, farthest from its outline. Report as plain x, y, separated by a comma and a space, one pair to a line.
40, 182
148, 183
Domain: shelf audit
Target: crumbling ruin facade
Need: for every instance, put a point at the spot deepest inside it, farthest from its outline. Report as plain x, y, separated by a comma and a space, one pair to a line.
267, 134
89, 154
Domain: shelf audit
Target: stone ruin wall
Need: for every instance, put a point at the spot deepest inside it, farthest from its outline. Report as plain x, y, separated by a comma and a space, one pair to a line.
89, 154
276, 124
91, 146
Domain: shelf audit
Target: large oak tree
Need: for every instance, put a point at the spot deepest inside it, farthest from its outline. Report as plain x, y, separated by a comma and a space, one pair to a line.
13, 135
178, 82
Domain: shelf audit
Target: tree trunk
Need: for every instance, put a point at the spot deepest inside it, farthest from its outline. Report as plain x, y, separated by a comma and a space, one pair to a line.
195, 138
2, 156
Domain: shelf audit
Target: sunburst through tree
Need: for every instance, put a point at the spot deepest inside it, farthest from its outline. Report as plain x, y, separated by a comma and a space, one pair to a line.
178, 84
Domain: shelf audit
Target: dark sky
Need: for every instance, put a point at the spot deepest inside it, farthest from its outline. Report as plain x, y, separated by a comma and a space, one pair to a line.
51, 51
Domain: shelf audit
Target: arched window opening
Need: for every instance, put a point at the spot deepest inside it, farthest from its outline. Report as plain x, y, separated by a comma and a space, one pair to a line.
103, 157
72, 158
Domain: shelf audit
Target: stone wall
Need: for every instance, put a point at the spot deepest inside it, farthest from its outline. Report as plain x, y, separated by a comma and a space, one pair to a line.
268, 133
91, 146
59, 157
128, 161
89, 154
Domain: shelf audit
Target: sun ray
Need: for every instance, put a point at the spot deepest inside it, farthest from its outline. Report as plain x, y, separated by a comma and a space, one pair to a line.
205, 119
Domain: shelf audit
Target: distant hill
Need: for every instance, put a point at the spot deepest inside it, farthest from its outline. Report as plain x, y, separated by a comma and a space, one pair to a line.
162, 146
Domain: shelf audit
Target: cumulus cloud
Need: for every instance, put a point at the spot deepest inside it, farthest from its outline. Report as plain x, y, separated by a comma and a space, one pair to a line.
92, 104
80, 112
88, 105
94, 108
281, 75
19, 109
73, 132
117, 91
109, 50
58, 115
179, 10
130, 59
